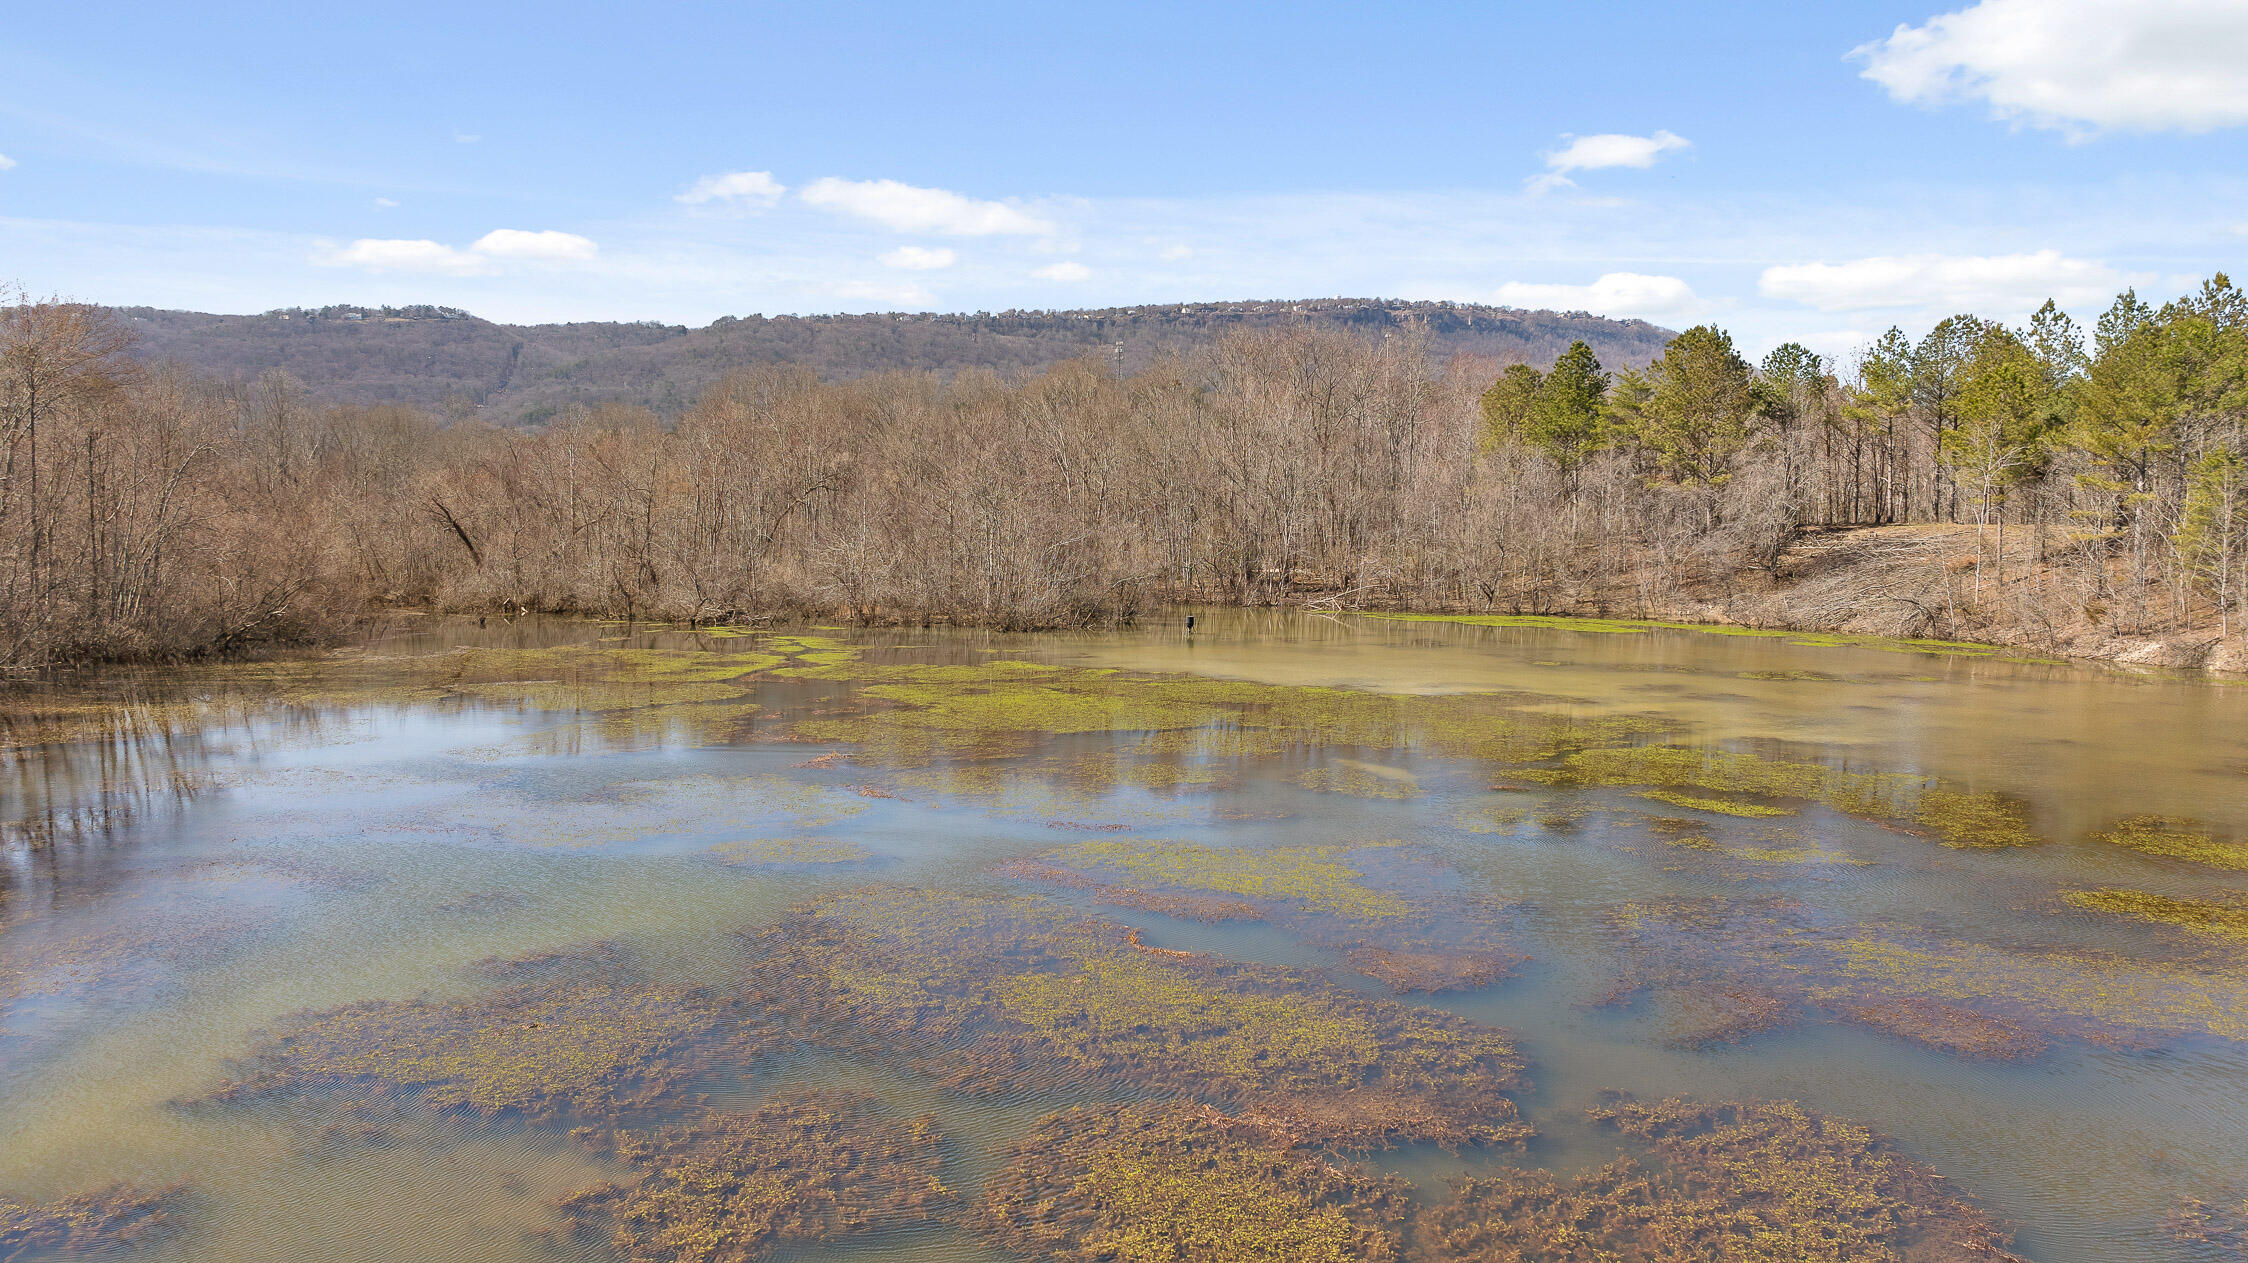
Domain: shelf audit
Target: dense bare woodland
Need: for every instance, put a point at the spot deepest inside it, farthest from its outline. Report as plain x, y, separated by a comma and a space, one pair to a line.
2015, 485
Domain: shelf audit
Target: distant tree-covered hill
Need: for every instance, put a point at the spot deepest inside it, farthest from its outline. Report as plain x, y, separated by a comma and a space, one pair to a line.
447, 360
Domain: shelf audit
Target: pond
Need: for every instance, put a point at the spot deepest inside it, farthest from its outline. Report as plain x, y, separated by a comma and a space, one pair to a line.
1294, 937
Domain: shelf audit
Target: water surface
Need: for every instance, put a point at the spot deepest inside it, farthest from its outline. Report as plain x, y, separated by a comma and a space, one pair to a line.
1883, 853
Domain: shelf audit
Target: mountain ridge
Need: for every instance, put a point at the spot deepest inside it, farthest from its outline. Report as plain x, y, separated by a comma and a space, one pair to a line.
448, 360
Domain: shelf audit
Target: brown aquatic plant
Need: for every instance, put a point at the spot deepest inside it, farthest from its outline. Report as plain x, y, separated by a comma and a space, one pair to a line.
573, 1033
1005, 995
1733, 1183
802, 1166
85, 1224
1154, 1182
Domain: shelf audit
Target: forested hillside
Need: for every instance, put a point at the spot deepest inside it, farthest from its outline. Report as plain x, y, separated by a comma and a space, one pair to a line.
452, 362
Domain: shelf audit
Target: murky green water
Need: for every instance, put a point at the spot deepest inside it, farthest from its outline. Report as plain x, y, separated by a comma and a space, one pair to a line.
1991, 908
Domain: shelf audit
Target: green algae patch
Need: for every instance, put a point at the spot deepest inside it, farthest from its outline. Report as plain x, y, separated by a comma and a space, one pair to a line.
2221, 919
791, 853
1668, 772
1734, 1183
598, 695
1128, 1006
1318, 876
1719, 806
1008, 995
2175, 838
1975, 821
1636, 627
120, 1217
576, 1035
1150, 1183
802, 1166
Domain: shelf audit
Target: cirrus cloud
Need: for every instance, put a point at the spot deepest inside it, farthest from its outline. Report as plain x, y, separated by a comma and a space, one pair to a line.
2076, 66
1629, 294
757, 188
1950, 282
908, 208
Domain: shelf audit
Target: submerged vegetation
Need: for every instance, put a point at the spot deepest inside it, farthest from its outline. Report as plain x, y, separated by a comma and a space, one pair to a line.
577, 1035
1004, 995
1155, 1182
88, 1224
1413, 932
1778, 963
1747, 1183
799, 1167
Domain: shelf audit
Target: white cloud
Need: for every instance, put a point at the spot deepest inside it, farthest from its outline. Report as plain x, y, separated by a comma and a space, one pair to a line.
754, 187
906, 208
391, 254
1172, 254
1063, 271
1615, 294
2077, 66
395, 255
1609, 149
465, 138
919, 258
885, 295
7, 163
1947, 282
385, 203
545, 247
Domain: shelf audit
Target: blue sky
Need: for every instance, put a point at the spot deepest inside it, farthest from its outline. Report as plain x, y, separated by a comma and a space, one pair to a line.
1816, 171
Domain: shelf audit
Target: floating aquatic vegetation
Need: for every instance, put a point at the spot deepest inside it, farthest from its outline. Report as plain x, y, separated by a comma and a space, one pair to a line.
1737, 1183
87, 1224
564, 1033
1316, 876
799, 1167
1963, 820
1719, 806
1637, 627
2214, 918
1979, 821
997, 995
2172, 837
1439, 940
791, 853
1175, 1181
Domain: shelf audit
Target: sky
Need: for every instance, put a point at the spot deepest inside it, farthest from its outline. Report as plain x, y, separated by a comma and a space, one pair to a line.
1790, 171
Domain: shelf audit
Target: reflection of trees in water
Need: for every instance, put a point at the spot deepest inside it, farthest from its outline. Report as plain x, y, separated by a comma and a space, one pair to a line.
82, 779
